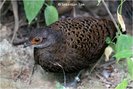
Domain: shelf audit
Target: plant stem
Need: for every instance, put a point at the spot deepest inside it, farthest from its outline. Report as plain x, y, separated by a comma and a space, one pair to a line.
111, 16
46, 4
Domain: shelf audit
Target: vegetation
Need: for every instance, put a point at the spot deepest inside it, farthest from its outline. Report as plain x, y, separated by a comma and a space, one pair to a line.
32, 8
123, 47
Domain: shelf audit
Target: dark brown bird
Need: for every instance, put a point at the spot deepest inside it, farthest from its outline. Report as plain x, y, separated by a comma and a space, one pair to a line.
71, 44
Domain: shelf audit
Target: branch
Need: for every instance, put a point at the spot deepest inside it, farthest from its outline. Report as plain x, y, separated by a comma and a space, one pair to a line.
112, 18
15, 12
1, 5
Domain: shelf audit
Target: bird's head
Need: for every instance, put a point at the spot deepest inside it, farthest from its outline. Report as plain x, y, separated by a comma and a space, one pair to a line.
43, 37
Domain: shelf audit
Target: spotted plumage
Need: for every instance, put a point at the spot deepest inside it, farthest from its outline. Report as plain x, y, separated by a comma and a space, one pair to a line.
71, 44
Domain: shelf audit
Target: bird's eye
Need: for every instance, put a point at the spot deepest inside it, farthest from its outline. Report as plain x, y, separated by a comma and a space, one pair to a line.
36, 40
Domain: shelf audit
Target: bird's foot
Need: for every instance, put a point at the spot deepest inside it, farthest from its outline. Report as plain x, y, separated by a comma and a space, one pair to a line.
76, 80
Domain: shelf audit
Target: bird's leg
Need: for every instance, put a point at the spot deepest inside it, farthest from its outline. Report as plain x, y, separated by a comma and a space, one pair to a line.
76, 79
68, 82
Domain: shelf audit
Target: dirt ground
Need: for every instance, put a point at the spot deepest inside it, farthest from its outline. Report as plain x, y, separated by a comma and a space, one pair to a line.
16, 64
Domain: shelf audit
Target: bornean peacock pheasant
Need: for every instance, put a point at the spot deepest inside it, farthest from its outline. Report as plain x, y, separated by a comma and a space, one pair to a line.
71, 44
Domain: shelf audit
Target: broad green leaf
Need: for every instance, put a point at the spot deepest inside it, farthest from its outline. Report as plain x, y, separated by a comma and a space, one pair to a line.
32, 8
51, 15
122, 85
130, 67
123, 46
124, 42
123, 54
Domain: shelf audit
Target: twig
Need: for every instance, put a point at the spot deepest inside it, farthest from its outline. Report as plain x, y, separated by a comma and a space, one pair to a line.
32, 72
1, 5
104, 80
63, 72
15, 12
5, 10
112, 18
108, 63
22, 22
130, 86
74, 12
95, 65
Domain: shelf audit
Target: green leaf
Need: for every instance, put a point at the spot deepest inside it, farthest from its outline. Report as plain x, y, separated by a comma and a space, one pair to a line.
51, 15
130, 67
32, 8
122, 85
123, 46
123, 54
124, 42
